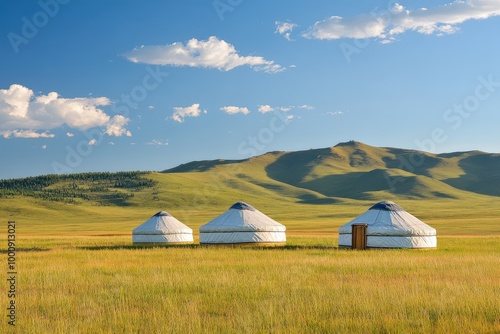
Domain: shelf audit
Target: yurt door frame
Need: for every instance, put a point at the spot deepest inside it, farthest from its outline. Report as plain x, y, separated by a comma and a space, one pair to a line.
359, 236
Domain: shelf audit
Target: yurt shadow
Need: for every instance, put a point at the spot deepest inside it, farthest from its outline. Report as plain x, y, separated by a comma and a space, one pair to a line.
140, 246
27, 250
310, 247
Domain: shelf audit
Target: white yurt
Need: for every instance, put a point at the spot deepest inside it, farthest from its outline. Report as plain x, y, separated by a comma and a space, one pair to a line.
243, 224
162, 228
390, 226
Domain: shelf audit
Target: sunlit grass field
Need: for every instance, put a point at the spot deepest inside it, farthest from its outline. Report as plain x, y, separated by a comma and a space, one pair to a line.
106, 285
78, 272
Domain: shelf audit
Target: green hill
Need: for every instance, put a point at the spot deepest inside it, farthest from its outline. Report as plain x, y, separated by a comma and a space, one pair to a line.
355, 170
347, 171
317, 188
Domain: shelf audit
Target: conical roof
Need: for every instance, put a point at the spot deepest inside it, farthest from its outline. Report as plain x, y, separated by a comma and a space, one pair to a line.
388, 218
386, 206
162, 223
242, 217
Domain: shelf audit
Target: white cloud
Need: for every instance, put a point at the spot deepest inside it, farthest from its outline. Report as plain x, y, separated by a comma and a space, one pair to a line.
284, 29
44, 147
192, 111
151, 107
157, 142
92, 142
335, 27
388, 40
25, 134
335, 113
116, 126
265, 108
212, 53
51, 111
69, 134
306, 107
385, 25
235, 110
14, 102
23, 113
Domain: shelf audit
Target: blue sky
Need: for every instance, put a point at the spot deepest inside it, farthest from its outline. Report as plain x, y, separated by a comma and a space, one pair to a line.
147, 85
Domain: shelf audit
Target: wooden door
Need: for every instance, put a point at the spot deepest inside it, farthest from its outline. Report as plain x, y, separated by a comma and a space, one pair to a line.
359, 236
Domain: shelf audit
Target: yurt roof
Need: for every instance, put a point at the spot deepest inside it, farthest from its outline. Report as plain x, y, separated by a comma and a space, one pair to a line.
389, 219
162, 223
242, 217
387, 206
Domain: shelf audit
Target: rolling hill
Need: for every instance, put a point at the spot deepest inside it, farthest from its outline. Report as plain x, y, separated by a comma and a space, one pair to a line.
317, 188
358, 171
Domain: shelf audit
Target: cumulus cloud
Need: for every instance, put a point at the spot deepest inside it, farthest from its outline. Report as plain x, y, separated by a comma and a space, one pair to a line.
211, 53
235, 110
116, 126
440, 20
22, 113
336, 27
14, 102
182, 112
265, 108
284, 29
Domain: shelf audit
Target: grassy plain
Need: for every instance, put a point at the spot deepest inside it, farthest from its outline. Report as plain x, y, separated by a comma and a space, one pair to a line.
103, 284
79, 273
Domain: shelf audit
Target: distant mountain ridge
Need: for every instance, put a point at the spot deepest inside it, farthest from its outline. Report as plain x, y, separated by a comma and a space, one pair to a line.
360, 171
339, 174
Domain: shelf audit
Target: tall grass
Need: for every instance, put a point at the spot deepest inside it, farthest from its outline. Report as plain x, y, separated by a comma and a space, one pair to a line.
106, 285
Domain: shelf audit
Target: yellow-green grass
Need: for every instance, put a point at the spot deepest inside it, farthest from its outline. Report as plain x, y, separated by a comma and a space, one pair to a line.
106, 285
449, 216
